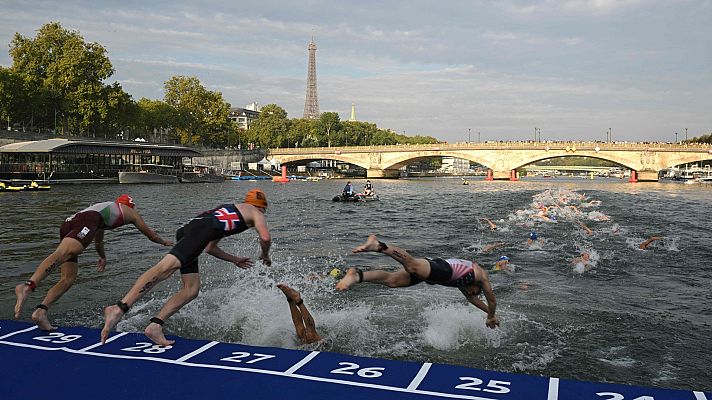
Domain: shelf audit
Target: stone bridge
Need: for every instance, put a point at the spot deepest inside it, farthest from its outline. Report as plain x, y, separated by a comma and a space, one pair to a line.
503, 158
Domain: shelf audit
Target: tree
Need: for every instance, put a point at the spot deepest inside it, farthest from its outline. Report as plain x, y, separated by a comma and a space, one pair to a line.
302, 133
156, 117
270, 129
70, 71
328, 122
11, 96
203, 115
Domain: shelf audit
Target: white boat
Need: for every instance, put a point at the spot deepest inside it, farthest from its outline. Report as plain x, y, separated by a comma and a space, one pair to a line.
149, 173
694, 172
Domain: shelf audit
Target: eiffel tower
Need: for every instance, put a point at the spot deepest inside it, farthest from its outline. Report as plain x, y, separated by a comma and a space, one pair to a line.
311, 103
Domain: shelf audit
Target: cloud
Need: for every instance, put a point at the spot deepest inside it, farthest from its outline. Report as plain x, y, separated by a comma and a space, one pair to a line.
571, 67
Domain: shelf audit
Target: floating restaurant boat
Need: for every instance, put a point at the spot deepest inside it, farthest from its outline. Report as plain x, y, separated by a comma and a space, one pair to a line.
75, 161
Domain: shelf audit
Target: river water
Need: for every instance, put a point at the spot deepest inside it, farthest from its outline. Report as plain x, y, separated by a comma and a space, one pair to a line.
639, 317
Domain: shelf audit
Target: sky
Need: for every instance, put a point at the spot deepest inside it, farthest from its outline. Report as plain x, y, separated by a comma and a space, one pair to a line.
456, 70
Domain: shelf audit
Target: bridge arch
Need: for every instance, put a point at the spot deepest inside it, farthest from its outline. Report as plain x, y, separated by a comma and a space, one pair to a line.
405, 159
609, 158
286, 159
647, 159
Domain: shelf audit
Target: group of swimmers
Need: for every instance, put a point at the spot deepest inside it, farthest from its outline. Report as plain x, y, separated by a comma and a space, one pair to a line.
555, 206
201, 234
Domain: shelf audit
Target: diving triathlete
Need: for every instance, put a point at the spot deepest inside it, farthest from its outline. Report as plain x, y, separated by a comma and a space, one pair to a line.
200, 233
302, 319
467, 276
76, 233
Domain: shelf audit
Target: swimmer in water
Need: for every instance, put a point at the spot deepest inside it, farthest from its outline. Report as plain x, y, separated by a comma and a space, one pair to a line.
585, 228
471, 279
491, 224
303, 321
492, 246
502, 264
533, 239
582, 263
645, 244
334, 273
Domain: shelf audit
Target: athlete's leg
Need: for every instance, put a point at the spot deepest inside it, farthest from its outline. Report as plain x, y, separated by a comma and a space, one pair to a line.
189, 290
159, 272
311, 334
67, 249
417, 266
301, 317
400, 278
68, 276
294, 297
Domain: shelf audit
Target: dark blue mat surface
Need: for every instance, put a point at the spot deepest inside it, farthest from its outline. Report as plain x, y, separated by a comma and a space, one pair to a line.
72, 363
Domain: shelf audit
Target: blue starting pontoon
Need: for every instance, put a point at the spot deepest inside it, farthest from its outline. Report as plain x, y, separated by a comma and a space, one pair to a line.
71, 363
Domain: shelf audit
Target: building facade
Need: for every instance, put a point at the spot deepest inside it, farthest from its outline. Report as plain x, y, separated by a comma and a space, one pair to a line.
244, 117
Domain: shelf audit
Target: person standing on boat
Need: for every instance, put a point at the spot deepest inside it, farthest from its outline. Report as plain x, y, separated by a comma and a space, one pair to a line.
368, 189
76, 233
201, 233
471, 279
348, 190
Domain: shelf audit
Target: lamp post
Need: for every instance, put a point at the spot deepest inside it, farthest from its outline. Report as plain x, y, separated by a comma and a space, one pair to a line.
468, 135
686, 134
675, 137
610, 135
478, 138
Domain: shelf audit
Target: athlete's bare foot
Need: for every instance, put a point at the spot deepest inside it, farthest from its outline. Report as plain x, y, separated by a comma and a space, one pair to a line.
154, 332
112, 316
370, 245
41, 320
350, 279
291, 294
21, 291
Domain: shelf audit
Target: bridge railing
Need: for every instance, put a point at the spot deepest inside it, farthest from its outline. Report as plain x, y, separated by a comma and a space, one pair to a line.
500, 145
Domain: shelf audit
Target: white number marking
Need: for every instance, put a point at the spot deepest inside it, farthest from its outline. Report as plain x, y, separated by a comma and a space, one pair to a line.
57, 337
618, 396
148, 348
492, 386
236, 357
368, 372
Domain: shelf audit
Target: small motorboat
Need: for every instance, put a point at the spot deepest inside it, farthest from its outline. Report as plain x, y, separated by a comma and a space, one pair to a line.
358, 197
35, 187
11, 188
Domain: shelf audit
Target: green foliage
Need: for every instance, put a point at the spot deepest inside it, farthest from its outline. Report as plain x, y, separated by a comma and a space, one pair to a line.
66, 74
702, 139
57, 80
202, 114
271, 128
329, 124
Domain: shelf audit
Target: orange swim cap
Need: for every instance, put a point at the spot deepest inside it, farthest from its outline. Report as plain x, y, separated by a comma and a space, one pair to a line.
257, 198
126, 200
